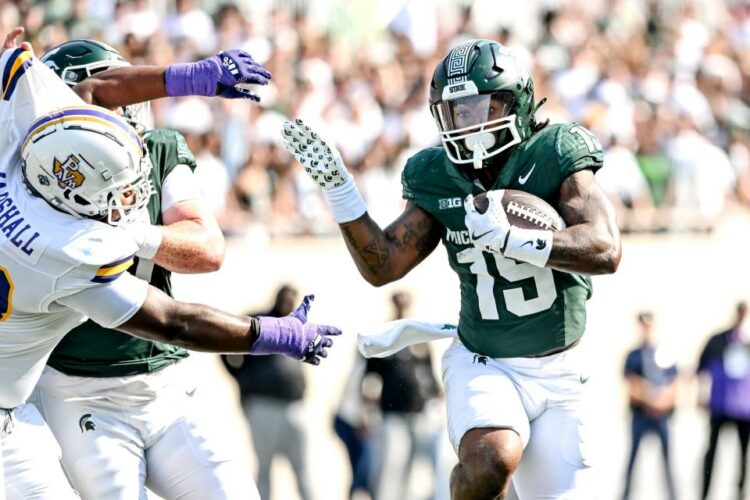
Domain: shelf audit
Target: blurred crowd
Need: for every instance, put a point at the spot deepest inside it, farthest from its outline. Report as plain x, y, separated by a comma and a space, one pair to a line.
663, 84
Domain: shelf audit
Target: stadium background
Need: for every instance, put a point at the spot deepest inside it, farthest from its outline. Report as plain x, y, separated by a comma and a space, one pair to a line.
657, 81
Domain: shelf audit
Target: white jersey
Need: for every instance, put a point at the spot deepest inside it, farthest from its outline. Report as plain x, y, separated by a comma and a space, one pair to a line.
50, 262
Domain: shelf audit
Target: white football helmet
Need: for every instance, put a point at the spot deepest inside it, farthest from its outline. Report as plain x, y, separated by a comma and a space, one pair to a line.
88, 162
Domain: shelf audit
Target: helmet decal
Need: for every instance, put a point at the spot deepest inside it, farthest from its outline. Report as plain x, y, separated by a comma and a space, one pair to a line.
67, 173
458, 61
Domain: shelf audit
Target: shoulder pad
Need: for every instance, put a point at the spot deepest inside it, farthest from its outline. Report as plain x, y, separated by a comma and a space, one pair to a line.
566, 148
420, 167
168, 149
578, 148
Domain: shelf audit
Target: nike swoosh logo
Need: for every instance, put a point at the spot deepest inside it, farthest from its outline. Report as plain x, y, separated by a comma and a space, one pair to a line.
476, 236
190, 393
530, 242
522, 179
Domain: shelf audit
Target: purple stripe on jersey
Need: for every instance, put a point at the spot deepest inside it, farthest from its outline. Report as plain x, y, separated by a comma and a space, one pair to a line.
8, 66
87, 112
117, 262
9, 81
106, 279
17, 76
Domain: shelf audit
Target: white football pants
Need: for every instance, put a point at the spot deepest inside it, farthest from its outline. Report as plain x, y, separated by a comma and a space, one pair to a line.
539, 398
30, 458
121, 434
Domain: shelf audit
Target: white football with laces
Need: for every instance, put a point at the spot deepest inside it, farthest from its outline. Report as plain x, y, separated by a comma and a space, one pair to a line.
524, 210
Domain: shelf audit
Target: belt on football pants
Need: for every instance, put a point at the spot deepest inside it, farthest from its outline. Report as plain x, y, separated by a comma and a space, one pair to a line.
556, 350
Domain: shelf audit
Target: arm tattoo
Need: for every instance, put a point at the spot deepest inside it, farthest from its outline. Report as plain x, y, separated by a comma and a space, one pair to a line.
389, 254
422, 234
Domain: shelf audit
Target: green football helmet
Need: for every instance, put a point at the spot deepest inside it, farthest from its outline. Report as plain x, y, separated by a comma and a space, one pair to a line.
482, 98
76, 60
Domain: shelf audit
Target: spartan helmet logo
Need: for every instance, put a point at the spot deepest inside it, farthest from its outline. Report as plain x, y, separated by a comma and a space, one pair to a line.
67, 173
86, 424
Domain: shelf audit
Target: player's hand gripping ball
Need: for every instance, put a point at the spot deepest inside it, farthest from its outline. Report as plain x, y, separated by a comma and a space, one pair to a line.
523, 209
490, 215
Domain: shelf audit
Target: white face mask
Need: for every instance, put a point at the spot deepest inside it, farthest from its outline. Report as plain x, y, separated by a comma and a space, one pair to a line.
470, 126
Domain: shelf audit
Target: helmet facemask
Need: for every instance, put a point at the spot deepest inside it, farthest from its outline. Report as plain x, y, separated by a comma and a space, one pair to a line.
127, 201
476, 127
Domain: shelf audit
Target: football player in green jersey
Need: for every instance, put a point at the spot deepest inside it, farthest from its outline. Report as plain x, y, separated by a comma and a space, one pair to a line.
513, 385
136, 394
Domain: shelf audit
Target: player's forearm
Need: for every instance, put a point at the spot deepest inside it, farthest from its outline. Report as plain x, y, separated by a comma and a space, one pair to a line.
585, 249
122, 86
371, 249
189, 247
192, 326
202, 328
386, 255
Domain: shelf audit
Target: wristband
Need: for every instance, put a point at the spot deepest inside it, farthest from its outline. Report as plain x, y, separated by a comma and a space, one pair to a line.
254, 332
346, 202
529, 245
187, 79
147, 237
278, 336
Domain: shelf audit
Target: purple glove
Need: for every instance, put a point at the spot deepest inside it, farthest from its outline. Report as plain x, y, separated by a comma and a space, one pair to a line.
293, 336
227, 74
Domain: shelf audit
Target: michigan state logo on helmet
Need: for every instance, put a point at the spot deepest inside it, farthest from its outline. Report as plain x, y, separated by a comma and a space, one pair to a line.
482, 98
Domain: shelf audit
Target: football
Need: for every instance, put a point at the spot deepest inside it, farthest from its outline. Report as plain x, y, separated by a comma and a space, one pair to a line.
524, 210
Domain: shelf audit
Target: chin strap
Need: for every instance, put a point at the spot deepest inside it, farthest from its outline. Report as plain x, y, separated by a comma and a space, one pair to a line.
478, 144
479, 155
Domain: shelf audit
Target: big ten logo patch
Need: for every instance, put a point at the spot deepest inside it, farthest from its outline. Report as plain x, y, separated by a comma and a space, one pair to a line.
446, 203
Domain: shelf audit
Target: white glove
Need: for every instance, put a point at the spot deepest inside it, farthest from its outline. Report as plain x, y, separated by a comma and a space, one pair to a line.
487, 231
146, 236
324, 165
322, 162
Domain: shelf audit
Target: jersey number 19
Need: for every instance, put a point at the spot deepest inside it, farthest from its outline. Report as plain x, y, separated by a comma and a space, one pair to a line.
513, 271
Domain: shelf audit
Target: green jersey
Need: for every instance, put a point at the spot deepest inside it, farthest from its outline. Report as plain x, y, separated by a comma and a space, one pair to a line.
91, 350
509, 308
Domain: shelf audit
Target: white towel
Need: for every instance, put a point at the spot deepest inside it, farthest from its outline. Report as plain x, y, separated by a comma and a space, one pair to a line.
396, 335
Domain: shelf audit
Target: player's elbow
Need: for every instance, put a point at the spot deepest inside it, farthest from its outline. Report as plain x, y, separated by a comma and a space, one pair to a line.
212, 256
213, 260
610, 258
376, 281
381, 279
